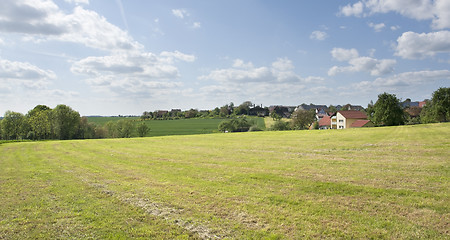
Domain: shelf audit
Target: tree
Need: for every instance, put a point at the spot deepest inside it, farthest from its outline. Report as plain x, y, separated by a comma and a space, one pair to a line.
39, 120
302, 119
275, 116
235, 125
280, 125
332, 109
124, 128
224, 111
191, 113
86, 129
12, 125
40, 124
438, 109
142, 129
66, 122
370, 110
243, 109
387, 110
111, 129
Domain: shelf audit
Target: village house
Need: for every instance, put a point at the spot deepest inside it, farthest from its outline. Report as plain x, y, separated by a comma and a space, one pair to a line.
348, 119
325, 122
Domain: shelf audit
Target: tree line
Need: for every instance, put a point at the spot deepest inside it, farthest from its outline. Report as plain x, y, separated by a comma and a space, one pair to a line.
387, 111
62, 122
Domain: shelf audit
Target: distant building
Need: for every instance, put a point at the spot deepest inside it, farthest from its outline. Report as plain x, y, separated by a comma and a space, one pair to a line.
325, 122
345, 119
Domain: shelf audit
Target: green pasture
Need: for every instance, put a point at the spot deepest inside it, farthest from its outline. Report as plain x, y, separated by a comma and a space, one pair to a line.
369, 183
176, 127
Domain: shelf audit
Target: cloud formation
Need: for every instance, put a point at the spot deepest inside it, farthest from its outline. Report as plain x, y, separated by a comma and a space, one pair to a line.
318, 35
43, 20
422, 45
438, 11
402, 80
132, 72
360, 64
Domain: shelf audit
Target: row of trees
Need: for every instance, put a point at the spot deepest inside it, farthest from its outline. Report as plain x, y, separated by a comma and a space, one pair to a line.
63, 122
387, 111
226, 111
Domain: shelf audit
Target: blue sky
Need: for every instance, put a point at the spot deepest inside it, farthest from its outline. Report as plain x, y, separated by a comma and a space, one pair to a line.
127, 56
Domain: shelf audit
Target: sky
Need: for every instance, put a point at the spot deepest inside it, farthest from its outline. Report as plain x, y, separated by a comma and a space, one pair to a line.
124, 57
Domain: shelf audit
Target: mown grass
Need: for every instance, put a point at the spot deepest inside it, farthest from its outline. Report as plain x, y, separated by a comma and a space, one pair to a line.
383, 183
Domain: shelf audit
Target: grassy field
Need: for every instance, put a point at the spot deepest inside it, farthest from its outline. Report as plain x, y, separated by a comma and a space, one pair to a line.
371, 183
177, 127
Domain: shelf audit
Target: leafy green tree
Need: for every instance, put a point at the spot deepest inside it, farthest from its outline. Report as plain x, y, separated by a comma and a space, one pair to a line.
387, 110
243, 109
332, 109
142, 129
275, 116
124, 128
302, 119
111, 129
40, 124
280, 125
39, 121
66, 122
191, 113
235, 125
370, 110
224, 111
12, 125
86, 129
438, 109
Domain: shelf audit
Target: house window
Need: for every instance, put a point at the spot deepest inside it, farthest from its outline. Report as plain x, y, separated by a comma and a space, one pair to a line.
341, 121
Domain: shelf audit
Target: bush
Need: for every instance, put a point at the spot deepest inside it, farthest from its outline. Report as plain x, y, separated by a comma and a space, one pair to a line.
235, 125
280, 126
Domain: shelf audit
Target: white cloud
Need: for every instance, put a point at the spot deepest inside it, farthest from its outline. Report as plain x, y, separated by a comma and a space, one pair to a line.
405, 80
170, 56
180, 13
377, 27
352, 10
318, 35
421, 45
280, 71
24, 74
186, 16
436, 10
239, 63
244, 81
78, 1
360, 64
395, 28
140, 73
196, 25
342, 54
43, 20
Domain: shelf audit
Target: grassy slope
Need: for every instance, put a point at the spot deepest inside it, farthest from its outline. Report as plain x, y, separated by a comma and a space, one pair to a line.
358, 183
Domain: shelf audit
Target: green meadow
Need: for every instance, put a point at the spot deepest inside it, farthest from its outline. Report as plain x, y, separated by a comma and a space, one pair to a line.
176, 127
369, 183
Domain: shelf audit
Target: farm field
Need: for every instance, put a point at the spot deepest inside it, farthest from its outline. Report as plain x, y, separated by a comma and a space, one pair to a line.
176, 127
378, 183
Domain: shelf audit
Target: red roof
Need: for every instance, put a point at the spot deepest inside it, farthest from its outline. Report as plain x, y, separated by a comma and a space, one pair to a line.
325, 121
353, 114
422, 104
359, 123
